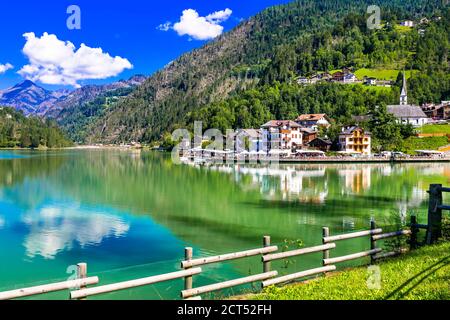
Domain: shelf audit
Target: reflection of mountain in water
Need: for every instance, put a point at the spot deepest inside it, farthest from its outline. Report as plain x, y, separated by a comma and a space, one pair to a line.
54, 229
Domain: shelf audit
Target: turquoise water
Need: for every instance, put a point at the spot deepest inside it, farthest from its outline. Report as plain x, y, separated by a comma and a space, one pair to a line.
130, 214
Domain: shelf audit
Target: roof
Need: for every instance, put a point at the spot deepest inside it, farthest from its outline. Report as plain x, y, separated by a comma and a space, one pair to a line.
308, 130
404, 89
350, 130
312, 117
280, 123
362, 118
324, 141
252, 133
406, 111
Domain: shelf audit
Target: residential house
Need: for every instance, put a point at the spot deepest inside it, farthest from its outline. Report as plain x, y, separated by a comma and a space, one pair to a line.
308, 134
247, 139
370, 81
349, 78
355, 140
406, 113
281, 134
326, 76
338, 76
314, 79
344, 76
437, 112
320, 144
314, 121
407, 23
303, 81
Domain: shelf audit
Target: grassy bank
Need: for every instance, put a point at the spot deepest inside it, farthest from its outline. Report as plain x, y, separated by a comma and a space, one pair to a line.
430, 143
435, 128
420, 274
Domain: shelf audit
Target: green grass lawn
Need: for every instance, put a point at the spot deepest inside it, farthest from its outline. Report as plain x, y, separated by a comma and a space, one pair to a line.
381, 74
429, 143
423, 274
371, 88
435, 128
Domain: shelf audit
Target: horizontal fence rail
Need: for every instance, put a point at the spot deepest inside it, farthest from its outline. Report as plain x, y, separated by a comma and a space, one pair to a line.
47, 288
294, 253
227, 284
297, 275
133, 283
351, 235
227, 257
351, 256
443, 207
391, 234
388, 254
444, 189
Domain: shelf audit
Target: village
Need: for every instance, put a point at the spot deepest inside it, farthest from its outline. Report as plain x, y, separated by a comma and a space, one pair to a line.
305, 138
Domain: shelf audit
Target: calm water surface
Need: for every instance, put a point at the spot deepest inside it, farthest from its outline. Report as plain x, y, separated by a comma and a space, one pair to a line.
130, 215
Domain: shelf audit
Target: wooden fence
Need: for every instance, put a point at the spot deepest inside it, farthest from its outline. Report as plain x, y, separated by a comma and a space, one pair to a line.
191, 267
435, 208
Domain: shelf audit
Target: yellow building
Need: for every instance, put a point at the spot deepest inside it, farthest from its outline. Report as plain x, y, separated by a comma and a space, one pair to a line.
355, 140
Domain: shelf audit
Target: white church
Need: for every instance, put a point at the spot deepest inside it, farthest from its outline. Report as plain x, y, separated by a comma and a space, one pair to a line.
407, 113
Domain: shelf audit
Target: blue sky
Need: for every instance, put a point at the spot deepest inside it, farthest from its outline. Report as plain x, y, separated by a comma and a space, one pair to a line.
126, 29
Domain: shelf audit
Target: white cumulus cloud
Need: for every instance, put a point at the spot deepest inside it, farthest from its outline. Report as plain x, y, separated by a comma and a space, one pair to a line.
5, 67
53, 61
198, 27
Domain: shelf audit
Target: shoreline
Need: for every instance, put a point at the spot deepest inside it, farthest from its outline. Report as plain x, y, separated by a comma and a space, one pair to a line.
320, 160
253, 161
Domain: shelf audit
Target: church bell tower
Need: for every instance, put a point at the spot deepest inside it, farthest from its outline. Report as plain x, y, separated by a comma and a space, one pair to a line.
404, 93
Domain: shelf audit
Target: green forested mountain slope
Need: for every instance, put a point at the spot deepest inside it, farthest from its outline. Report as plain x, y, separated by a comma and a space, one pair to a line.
260, 57
16, 130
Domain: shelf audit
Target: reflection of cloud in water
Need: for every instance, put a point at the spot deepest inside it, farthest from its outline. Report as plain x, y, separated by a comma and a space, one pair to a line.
54, 229
2, 222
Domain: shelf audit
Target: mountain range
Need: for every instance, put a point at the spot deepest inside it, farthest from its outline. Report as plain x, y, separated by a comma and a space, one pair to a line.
32, 99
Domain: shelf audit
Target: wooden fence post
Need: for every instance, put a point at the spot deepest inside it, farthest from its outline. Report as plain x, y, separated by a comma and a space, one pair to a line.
266, 265
434, 213
326, 253
373, 242
414, 230
188, 253
82, 274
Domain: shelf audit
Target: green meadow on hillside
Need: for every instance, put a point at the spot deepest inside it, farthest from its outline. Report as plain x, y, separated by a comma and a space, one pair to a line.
382, 74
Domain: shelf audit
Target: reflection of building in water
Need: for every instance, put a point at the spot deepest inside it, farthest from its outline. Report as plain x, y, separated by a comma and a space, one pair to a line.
356, 180
409, 202
52, 230
348, 223
287, 182
447, 173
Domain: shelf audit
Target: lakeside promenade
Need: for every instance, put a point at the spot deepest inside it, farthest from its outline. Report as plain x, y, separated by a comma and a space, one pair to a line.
206, 160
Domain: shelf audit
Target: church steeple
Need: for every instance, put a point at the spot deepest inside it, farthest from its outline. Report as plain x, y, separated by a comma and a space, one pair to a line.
404, 93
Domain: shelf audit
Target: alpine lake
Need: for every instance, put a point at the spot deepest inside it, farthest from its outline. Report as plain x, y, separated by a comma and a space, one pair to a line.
130, 214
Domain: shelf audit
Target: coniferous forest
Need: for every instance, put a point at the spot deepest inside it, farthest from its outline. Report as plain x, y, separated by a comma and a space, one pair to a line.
16, 130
